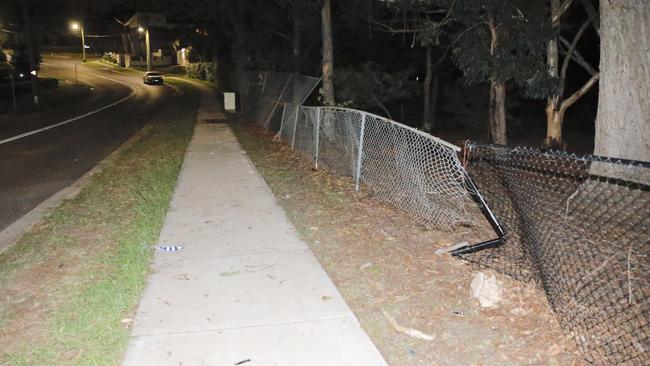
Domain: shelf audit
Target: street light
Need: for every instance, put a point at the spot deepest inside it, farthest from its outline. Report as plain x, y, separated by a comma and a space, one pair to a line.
76, 26
146, 40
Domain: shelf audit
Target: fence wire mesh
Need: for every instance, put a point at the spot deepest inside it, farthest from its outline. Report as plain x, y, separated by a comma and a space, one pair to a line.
262, 94
412, 170
580, 228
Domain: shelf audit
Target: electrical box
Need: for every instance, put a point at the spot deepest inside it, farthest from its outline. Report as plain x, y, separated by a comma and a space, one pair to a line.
230, 101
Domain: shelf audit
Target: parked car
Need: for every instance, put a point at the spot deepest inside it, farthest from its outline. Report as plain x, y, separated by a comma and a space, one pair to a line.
152, 77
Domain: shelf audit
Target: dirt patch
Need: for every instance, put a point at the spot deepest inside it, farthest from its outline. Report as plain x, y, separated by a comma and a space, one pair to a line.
385, 267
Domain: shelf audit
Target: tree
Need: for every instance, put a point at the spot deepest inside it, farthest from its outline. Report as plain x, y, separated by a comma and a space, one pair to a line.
501, 41
623, 118
426, 23
369, 87
328, 54
557, 103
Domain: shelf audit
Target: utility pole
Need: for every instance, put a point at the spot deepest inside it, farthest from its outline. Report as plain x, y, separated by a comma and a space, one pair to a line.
146, 39
148, 45
75, 26
83, 45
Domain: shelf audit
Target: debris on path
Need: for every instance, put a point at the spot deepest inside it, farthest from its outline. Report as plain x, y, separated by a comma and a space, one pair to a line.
487, 290
408, 331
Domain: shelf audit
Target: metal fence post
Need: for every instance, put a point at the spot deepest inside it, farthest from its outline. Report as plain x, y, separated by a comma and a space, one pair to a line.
319, 111
284, 112
275, 105
360, 152
295, 127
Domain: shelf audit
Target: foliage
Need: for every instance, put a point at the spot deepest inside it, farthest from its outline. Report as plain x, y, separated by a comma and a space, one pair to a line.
519, 54
20, 60
370, 87
202, 70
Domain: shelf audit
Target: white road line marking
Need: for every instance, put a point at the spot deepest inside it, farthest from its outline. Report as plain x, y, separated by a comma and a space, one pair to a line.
29, 133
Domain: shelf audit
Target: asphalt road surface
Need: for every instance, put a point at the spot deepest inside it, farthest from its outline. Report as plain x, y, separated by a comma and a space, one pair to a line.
34, 167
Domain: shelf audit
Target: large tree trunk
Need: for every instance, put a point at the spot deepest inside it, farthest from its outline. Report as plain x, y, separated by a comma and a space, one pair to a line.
426, 92
498, 112
553, 122
239, 46
328, 53
623, 121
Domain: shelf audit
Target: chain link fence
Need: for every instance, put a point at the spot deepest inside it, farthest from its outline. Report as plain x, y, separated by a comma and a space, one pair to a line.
412, 170
580, 228
262, 94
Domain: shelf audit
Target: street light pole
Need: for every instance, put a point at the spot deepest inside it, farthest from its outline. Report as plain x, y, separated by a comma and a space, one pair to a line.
146, 39
83, 45
148, 45
75, 26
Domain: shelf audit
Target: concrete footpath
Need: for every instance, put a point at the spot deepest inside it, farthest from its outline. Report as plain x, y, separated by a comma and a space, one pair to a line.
245, 289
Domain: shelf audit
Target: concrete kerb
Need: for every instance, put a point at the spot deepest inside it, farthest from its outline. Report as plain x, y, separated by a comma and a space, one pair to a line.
12, 233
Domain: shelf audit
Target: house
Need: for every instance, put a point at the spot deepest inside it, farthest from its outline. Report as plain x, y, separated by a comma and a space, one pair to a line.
161, 39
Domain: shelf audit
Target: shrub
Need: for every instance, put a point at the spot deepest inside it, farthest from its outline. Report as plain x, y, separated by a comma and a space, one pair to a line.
202, 70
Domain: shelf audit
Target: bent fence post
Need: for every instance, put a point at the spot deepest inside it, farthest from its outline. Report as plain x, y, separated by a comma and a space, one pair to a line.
295, 127
277, 101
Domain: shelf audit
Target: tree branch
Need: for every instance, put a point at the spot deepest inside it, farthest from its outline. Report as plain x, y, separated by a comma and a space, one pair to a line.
571, 48
578, 58
578, 94
563, 8
591, 12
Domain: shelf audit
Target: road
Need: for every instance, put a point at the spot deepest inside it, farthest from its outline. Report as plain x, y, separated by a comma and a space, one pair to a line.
34, 167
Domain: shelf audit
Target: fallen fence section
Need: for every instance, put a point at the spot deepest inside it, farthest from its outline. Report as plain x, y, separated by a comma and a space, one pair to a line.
580, 228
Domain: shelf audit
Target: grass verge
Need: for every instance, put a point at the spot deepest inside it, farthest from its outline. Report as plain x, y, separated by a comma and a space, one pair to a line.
71, 284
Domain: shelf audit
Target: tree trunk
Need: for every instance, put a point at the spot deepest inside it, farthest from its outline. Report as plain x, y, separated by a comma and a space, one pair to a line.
497, 127
553, 124
623, 120
297, 36
236, 16
498, 112
434, 98
31, 51
426, 92
328, 54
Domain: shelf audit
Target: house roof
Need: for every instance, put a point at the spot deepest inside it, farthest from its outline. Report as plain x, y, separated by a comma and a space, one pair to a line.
148, 20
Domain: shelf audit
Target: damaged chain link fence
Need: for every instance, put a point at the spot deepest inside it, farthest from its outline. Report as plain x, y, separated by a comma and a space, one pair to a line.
416, 172
580, 228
